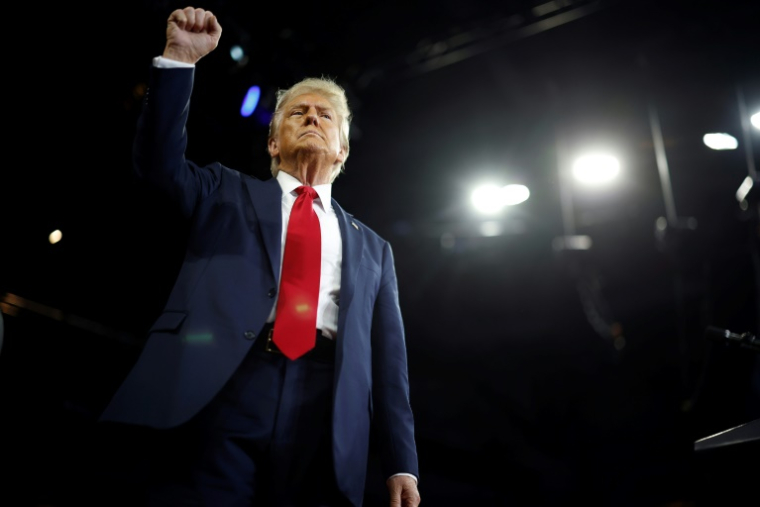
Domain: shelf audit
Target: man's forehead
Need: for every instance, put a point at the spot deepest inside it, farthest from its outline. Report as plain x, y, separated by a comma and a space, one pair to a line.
310, 99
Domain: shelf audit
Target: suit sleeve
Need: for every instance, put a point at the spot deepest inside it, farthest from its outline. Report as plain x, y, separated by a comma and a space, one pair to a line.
161, 140
393, 420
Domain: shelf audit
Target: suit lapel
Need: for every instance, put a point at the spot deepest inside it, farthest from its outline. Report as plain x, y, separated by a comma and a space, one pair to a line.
353, 246
267, 203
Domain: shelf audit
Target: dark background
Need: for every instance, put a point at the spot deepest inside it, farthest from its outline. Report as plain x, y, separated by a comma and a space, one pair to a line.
538, 376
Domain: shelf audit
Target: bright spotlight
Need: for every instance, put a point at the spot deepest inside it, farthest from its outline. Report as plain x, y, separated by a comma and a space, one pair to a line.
487, 199
755, 119
720, 141
596, 168
250, 101
237, 53
490, 199
515, 194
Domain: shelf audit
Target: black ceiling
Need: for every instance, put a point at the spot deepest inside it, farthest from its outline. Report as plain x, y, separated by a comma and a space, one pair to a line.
512, 345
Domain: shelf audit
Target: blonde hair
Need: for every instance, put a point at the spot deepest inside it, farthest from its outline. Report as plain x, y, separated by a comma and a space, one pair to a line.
330, 90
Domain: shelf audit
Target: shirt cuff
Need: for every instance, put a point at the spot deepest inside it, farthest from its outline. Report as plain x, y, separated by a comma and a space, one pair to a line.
410, 475
167, 63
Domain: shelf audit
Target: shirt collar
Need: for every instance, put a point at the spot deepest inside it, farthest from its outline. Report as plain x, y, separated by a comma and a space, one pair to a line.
289, 183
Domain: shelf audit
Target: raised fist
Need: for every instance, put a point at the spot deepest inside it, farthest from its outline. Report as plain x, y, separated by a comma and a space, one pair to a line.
191, 34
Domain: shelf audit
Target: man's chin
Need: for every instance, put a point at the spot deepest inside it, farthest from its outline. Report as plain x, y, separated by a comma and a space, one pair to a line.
311, 147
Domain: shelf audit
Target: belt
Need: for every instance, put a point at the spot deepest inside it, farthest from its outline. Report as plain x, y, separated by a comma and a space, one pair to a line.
323, 351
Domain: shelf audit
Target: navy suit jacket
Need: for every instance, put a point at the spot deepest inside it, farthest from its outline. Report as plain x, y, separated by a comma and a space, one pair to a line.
224, 293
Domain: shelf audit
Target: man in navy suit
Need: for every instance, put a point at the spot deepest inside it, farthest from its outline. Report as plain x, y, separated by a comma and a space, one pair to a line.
266, 429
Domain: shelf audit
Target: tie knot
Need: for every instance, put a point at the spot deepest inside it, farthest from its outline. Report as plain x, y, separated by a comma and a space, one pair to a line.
309, 191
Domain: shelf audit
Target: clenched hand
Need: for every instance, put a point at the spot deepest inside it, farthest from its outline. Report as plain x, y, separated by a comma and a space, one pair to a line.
403, 491
191, 34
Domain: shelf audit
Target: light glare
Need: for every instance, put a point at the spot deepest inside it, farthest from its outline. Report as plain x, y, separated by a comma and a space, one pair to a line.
744, 188
572, 242
236, 53
596, 168
55, 237
720, 141
490, 199
250, 101
490, 228
487, 199
755, 119
515, 194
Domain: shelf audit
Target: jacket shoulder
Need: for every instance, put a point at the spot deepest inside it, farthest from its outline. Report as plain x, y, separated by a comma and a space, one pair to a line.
370, 234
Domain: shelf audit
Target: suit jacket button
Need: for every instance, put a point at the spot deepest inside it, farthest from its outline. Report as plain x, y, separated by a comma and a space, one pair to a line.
249, 335
271, 293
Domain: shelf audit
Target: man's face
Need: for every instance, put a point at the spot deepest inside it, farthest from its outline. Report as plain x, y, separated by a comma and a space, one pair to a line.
309, 126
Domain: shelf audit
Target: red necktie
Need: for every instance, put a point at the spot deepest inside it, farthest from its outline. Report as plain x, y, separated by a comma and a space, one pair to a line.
295, 325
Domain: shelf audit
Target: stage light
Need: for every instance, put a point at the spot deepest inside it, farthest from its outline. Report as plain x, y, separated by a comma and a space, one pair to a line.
490, 199
755, 119
720, 141
596, 168
515, 194
250, 101
487, 199
55, 237
237, 53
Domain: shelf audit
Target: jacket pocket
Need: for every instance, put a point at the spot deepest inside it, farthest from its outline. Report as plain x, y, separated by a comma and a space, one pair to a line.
168, 322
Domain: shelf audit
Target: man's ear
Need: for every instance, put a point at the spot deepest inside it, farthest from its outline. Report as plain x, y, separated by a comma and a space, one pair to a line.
341, 155
273, 147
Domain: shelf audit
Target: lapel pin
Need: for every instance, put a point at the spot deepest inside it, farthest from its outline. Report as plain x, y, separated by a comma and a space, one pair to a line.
355, 226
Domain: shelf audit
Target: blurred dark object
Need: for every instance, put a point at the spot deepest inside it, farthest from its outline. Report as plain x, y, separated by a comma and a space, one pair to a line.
745, 434
729, 467
743, 340
727, 461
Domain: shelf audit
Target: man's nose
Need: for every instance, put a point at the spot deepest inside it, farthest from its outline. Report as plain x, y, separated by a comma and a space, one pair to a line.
312, 118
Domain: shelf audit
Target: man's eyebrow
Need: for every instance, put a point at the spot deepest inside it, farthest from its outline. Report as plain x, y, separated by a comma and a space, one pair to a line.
305, 105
